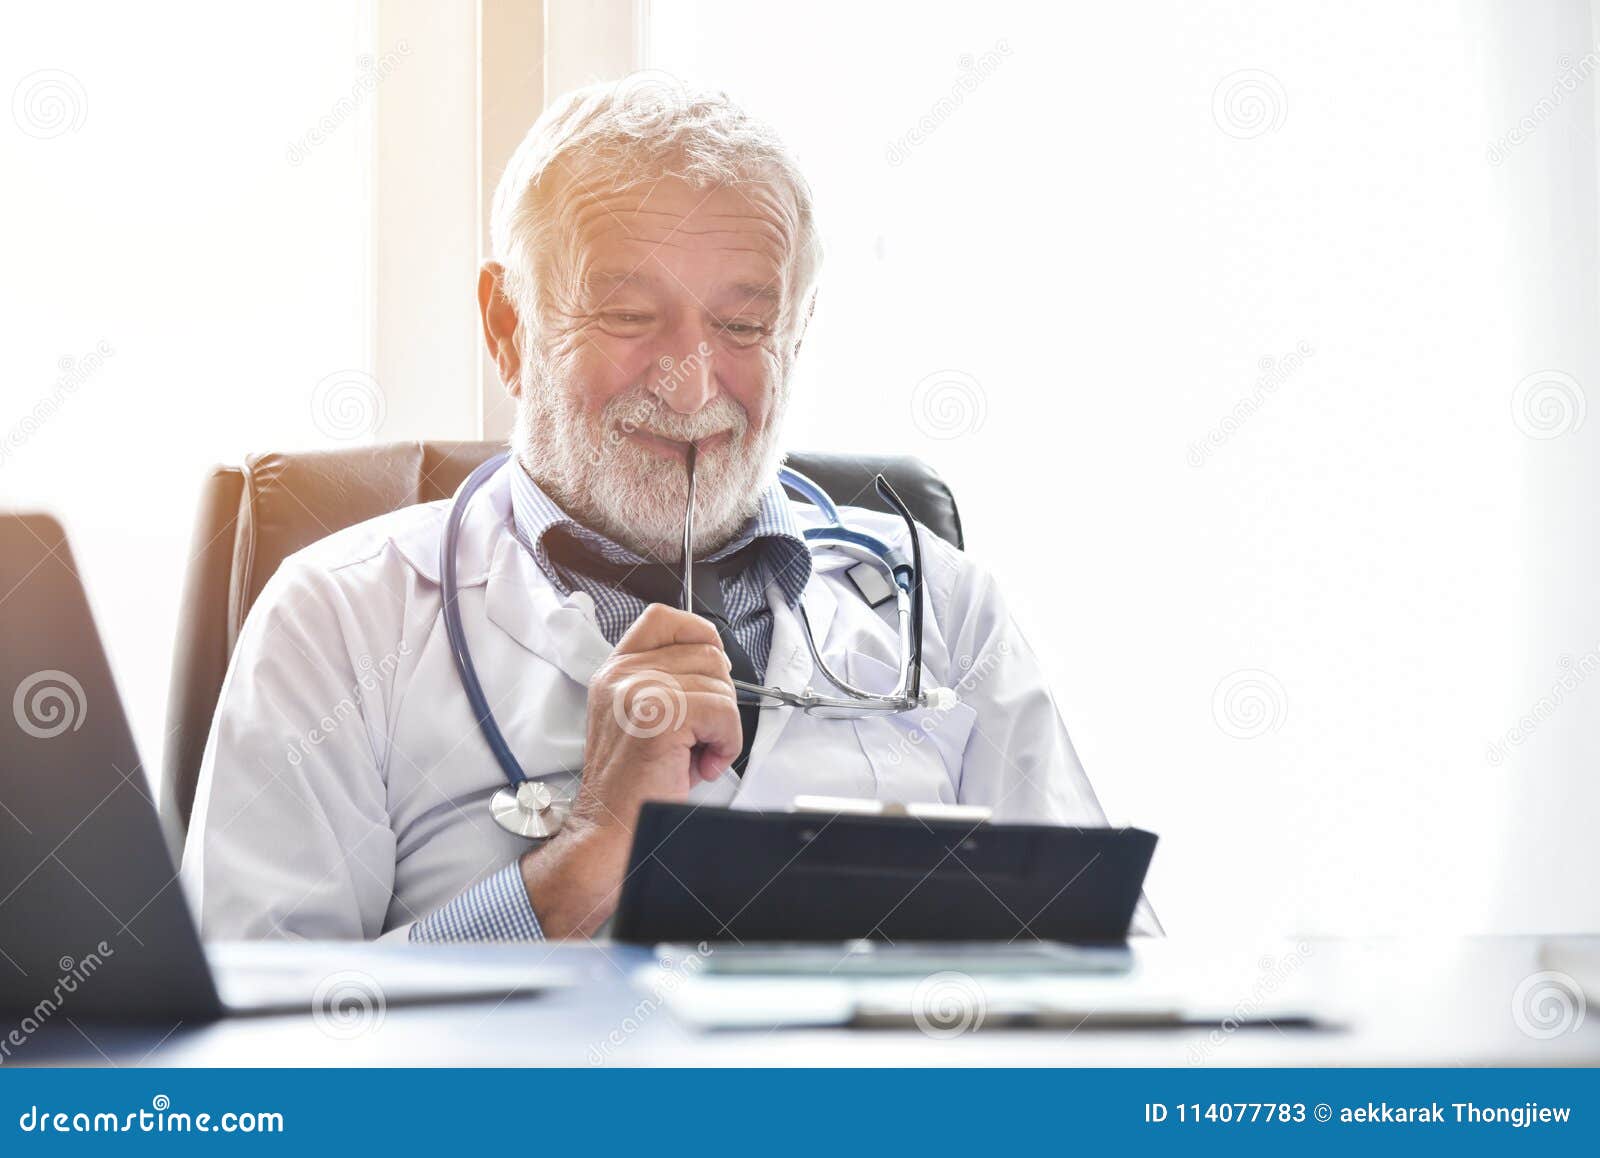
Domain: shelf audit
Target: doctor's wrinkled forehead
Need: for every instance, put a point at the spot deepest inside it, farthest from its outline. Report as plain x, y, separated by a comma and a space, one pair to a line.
602, 147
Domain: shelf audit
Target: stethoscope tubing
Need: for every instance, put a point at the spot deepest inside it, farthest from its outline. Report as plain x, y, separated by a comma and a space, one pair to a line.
450, 592
907, 579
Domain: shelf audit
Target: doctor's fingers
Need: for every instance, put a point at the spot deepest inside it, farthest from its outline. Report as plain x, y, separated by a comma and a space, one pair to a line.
677, 657
663, 696
711, 718
663, 626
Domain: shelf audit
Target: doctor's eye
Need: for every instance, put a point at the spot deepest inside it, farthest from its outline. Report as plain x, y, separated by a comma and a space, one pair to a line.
626, 321
744, 333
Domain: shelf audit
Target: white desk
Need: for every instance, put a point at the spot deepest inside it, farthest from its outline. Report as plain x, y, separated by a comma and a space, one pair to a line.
1423, 1002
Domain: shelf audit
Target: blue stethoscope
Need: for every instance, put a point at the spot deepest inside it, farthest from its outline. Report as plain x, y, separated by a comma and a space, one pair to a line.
528, 807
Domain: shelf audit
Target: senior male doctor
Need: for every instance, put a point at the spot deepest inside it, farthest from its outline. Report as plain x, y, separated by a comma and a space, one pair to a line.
655, 260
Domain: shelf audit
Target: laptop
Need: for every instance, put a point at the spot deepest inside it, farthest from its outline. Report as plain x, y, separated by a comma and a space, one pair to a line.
93, 919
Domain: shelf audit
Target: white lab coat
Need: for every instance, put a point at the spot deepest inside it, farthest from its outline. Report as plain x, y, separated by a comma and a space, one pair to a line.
345, 787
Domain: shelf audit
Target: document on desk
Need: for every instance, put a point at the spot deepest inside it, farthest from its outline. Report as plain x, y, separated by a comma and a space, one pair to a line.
263, 977
1154, 984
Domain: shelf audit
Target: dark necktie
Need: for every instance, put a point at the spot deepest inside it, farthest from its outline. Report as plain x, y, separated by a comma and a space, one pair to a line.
661, 583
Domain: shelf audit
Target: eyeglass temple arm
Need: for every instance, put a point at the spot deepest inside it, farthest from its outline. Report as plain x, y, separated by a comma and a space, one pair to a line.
896, 698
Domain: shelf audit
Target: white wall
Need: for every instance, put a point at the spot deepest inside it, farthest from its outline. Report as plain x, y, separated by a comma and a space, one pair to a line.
424, 205
273, 227
1058, 282
192, 191
1547, 184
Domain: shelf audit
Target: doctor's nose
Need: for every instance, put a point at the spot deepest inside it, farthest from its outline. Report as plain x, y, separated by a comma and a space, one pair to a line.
686, 382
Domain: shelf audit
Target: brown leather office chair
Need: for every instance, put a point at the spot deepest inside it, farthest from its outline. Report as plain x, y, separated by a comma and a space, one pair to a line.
252, 517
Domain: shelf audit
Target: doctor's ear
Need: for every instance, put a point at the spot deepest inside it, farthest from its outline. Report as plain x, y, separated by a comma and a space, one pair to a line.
499, 316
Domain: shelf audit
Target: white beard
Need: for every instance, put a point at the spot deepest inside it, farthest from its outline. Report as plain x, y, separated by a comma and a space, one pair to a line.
608, 482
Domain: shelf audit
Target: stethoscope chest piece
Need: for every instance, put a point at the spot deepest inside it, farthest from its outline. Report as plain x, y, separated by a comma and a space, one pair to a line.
529, 810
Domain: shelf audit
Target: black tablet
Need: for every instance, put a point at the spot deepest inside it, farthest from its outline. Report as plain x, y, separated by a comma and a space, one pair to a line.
720, 874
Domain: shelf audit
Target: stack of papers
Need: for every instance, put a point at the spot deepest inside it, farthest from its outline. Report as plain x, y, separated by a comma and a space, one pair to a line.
944, 990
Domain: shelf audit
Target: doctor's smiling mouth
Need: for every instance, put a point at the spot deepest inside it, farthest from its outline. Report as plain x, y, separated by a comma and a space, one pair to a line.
652, 275
677, 449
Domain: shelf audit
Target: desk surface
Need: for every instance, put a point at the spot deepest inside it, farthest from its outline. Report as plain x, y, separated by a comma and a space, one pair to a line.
1408, 1002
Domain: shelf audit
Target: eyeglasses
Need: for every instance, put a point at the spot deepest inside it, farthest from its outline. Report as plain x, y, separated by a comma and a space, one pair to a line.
905, 577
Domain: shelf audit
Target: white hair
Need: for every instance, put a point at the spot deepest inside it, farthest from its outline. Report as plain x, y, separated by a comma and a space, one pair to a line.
642, 128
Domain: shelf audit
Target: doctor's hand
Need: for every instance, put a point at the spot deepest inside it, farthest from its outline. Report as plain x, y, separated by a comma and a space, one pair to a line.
662, 716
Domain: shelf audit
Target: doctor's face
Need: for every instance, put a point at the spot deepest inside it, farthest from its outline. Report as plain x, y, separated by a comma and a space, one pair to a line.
668, 323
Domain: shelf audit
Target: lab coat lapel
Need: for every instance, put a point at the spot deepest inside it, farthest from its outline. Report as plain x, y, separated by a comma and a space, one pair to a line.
789, 663
520, 600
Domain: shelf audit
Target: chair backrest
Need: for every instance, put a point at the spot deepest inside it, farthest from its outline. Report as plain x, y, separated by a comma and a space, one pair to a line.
252, 517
